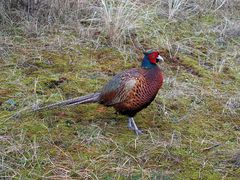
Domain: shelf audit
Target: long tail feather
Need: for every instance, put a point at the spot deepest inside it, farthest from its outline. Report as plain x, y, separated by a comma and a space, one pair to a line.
90, 98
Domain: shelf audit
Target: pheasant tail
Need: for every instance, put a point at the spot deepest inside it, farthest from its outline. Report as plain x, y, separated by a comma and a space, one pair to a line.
90, 98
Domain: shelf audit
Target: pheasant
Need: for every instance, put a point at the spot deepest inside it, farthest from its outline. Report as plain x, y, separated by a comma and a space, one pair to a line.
128, 92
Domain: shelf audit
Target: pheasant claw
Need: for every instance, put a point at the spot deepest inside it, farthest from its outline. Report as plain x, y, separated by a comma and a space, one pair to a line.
138, 132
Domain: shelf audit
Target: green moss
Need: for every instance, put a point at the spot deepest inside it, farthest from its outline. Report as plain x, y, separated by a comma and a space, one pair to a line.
34, 128
208, 19
192, 66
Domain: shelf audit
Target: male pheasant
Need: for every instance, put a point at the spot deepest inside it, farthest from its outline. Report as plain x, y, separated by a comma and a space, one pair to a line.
128, 92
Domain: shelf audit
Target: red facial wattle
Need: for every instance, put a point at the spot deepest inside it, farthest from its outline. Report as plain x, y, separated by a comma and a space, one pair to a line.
153, 57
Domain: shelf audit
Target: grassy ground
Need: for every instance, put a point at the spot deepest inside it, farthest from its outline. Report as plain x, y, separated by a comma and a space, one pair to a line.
192, 128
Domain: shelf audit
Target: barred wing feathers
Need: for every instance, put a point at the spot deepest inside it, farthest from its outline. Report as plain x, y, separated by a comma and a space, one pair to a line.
117, 90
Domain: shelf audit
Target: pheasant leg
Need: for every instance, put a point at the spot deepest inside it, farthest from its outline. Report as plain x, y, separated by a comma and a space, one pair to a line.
132, 125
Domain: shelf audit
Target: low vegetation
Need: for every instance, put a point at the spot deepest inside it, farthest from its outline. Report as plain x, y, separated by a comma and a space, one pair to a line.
59, 49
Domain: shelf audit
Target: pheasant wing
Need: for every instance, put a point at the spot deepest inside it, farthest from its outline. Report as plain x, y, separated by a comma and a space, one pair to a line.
118, 88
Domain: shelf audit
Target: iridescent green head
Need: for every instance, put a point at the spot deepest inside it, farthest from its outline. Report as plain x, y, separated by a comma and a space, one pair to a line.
151, 58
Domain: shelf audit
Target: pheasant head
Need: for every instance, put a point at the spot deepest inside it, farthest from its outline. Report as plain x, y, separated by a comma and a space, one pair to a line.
151, 58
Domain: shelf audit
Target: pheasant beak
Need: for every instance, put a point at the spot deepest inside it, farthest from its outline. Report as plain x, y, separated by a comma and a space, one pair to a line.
160, 59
